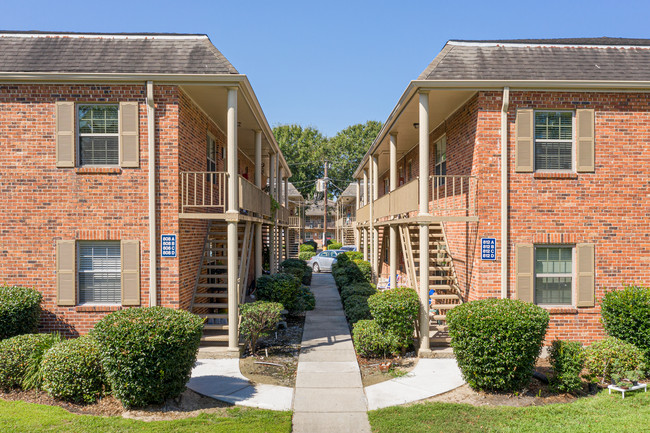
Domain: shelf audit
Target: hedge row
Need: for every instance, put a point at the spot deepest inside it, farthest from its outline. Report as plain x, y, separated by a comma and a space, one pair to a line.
20, 311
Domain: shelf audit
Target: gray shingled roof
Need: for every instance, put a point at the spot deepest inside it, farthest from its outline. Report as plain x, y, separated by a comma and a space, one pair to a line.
111, 53
542, 59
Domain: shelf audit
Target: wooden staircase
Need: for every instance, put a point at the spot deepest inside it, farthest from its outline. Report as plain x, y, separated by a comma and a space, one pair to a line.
442, 277
347, 236
210, 299
294, 242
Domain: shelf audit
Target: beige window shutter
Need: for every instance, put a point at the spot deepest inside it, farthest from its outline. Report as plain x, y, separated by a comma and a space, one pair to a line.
130, 273
585, 259
65, 134
525, 269
524, 141
585, 135
129, 134
66, 273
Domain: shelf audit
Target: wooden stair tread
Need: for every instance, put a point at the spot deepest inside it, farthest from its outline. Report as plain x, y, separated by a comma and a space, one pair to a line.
211, 305
211, 295
213, 285
215, 327
443, 296
442, 306
223, 337
213, 316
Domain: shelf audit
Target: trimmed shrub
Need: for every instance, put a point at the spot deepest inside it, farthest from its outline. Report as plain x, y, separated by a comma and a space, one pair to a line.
348, 256
611, 356
307, 299
364, 268
363, 289
308, 246
15, 353
626, 316
281, 288
148, 353
396, 311
306, 278
20, 311
297, 268
371, 341
497, 341
72, 371
258, 319
306, 255
356, 308
34, 372
567, 360
334, 245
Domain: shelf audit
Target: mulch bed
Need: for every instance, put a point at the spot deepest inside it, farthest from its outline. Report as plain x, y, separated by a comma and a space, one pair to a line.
371, 373
276, 360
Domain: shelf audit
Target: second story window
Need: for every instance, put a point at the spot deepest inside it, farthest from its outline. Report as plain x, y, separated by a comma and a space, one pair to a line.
98, 134
554, 140
441, 157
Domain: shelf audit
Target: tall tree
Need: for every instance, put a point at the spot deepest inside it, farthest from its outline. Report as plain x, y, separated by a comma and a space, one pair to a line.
305, 150
346, 149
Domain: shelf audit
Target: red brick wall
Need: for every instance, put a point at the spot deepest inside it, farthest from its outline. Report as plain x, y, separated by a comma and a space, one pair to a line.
604, 208
44, 203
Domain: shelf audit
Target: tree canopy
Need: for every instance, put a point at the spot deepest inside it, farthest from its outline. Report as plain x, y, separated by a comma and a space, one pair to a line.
306, 149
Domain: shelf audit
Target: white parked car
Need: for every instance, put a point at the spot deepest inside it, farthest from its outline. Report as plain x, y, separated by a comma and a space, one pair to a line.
323, 260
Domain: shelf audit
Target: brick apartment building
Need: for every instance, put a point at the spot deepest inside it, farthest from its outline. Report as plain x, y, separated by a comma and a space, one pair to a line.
537, 181
84, 209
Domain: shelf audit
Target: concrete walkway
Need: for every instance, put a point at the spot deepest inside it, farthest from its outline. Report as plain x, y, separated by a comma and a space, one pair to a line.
329, 395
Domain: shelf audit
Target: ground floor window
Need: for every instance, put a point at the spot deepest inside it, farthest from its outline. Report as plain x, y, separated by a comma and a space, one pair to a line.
99, 272
554, 275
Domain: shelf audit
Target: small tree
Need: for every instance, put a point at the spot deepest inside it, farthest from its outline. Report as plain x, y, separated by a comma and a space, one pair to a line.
258, 319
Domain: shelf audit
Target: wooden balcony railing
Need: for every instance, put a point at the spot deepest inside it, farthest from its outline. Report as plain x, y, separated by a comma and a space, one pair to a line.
345, 221
282, 215
296, 221
253, 199
454, 195
207, 192
451, 196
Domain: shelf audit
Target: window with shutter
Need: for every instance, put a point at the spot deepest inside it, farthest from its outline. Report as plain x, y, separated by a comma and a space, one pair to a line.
554, 275
99, 138
554, 140
99, 272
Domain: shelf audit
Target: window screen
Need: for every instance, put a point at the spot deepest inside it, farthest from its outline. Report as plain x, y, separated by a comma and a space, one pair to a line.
99, 272
553, 140
98, 134
553, 275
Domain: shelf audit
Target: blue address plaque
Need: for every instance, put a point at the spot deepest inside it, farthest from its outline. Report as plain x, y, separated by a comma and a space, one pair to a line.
488, 249
168, 245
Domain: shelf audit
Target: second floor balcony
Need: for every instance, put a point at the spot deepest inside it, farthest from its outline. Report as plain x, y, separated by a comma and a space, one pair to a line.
204, 195
451, 198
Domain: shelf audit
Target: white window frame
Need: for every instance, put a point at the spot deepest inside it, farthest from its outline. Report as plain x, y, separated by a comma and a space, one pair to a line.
78, 134
78, 272
573, 142
572, 275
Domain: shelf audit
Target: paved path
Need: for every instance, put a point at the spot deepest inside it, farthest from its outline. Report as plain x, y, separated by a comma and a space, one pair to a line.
329, 395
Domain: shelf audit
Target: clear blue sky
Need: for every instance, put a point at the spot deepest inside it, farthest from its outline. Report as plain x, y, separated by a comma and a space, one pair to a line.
327, 63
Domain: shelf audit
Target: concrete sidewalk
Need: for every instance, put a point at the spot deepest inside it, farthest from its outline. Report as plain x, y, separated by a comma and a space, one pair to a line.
329, 395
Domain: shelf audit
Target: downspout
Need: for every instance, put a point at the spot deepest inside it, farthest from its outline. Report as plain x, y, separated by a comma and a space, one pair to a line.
153, 240
504, 192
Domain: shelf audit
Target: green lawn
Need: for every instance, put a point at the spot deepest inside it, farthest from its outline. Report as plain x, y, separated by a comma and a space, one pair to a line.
18, 416
602, 413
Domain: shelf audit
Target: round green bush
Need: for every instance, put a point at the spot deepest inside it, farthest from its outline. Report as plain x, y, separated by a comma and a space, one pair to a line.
308, 247
307, 299
306, 255
306, 278
148, 353
396, 311
20, 311
72, 371
297, 268
371, 341
334, 245
364, 289
258, 319
567, 360
282, 288
626, 316
497, 341
613, 356
15, 354
356, 308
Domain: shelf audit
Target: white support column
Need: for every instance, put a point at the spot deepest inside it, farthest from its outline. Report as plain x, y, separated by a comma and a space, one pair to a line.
286, 228
278, 197
371, 225
375, 229
357, 232
392, 243
424, 227
272, 227
365, 187
233, 209
364, 243
258, 183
